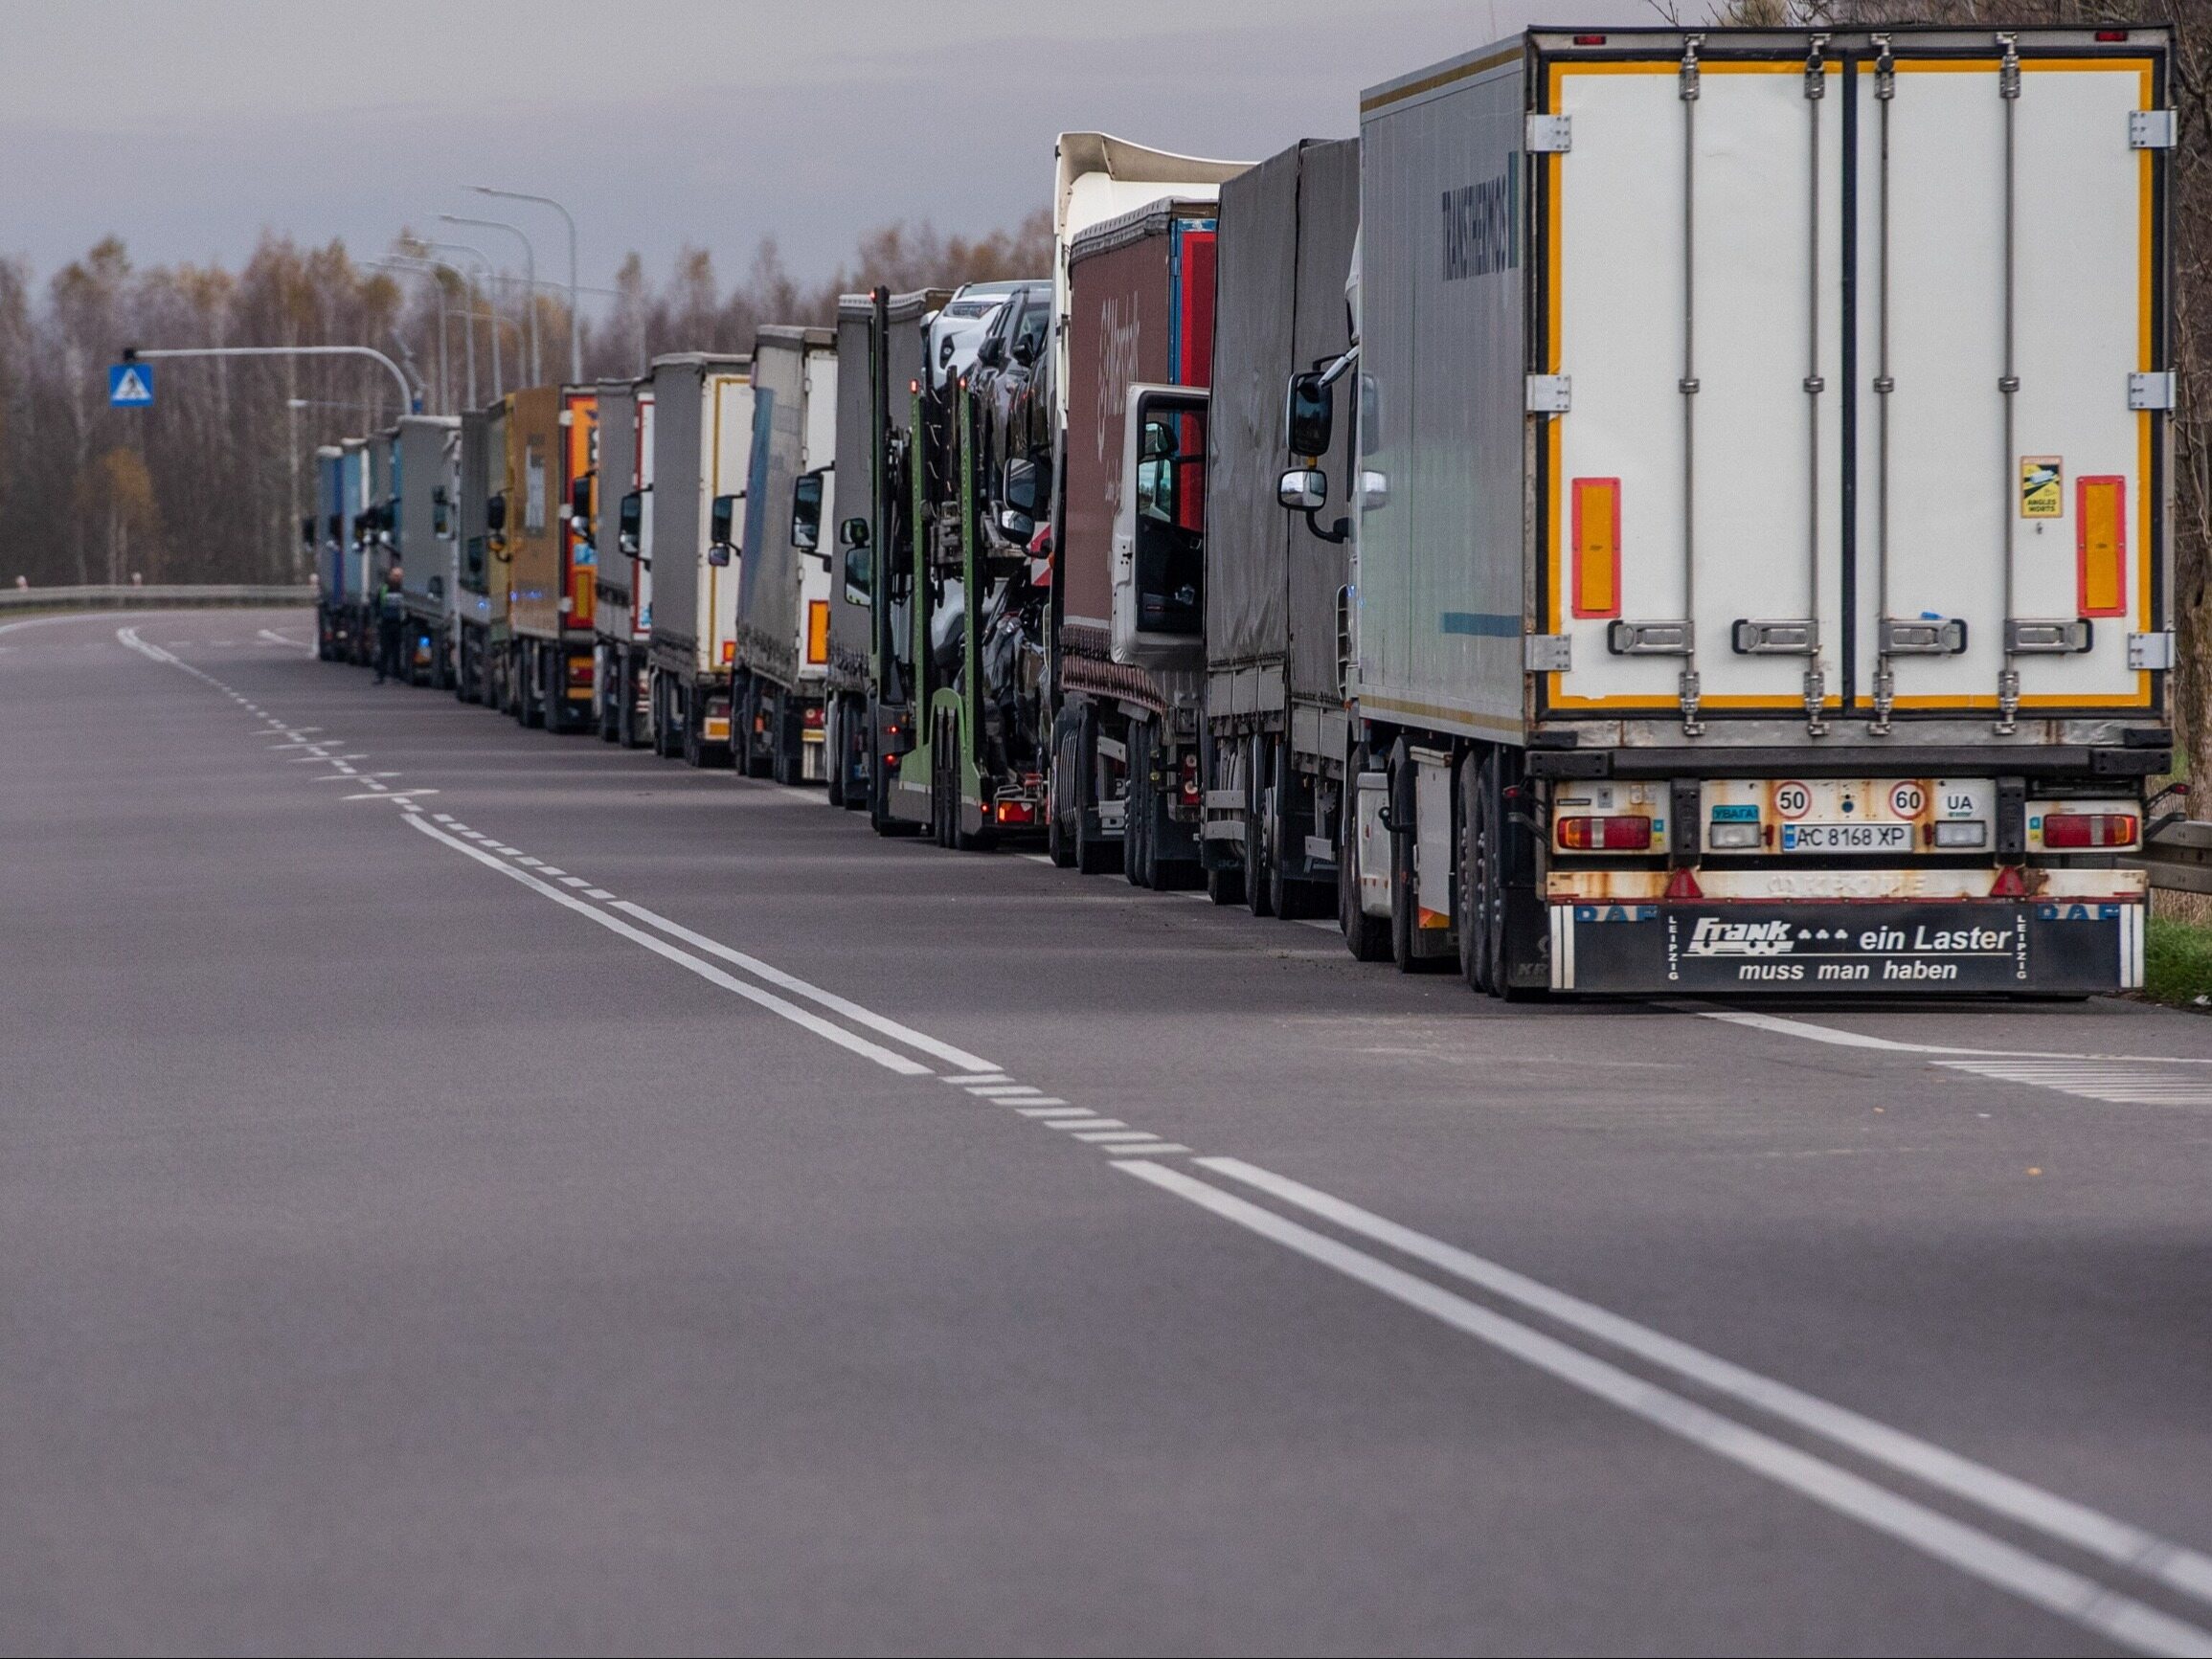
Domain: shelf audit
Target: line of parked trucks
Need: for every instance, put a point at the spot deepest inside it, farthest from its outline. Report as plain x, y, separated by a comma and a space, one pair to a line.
1658, 511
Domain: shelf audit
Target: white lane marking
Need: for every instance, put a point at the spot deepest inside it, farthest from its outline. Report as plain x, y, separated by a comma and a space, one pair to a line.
2092, 1080
574, 881
1980, 1555
597, 893
2056, 1517
1122, 1135
529, 863
444, 818
1159, 1149
791, 982
1001, 1090
1047, 1108
272, 637
707, 971
1075, 1123
1831, 1035
979, 1077
1036, 858
561, 876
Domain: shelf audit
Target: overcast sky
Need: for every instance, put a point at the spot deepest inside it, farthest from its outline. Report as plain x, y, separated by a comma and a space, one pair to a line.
188, 127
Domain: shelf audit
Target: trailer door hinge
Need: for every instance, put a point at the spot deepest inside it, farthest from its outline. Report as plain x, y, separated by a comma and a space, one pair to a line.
1551, 394
1548, 652
2153, 391
2153, 129
2150, 650
1551, 134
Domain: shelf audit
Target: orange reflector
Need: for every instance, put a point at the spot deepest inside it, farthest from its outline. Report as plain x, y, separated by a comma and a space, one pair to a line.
2101, 543
818, 630
728, 650
1596, 546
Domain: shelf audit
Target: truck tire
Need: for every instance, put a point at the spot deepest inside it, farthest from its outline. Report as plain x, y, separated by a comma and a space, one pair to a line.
1479, 901
1059, 827
834, 752
1136, 807
1260, 876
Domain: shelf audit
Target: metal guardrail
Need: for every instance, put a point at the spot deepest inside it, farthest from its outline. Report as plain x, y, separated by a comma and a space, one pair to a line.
2179, 858
159, 595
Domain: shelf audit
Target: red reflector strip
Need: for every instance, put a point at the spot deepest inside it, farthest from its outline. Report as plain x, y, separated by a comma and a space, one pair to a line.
1593, 834
1590, 40
2088, 829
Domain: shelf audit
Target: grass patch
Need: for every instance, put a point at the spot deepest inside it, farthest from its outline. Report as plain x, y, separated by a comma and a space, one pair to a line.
2178, 961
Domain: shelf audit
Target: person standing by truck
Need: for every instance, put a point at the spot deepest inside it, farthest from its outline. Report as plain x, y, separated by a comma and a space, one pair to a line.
391, 613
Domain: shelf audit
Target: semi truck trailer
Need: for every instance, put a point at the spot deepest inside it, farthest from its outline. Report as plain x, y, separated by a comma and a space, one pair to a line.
1129, 654
427, 472
325, 536
1276, 728
552, 435
482, 622
621, 533
1151, 272
786, 501
881, 577
1759, 484
702, 445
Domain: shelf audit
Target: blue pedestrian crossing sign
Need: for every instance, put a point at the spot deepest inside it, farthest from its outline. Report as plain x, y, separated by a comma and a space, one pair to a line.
131, 386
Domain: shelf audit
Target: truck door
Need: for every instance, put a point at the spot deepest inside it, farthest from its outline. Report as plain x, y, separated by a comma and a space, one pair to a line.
2007, 232
1695, 322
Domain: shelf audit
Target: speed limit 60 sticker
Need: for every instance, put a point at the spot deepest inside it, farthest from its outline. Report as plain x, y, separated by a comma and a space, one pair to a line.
1907, 799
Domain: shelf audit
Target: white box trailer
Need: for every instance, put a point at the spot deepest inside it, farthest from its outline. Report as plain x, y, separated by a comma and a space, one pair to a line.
623, 617
702, 442
789, 497
1762, 559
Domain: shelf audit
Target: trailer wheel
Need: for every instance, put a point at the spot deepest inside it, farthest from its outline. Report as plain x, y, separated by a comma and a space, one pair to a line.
1480, 895
834, 752
1136, 807
1259, 858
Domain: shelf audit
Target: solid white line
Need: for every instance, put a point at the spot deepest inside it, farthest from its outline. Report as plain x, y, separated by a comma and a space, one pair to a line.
1829, 1033
713, 975
1980, 1555
2056, 1517
791, 982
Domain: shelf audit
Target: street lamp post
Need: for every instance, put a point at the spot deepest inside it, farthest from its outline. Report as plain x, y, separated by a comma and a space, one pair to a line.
576, 339
467, 324
529, 276
491, 295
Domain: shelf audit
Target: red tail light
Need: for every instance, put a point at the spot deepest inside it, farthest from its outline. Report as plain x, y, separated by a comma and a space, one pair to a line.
1191, 777
2088, 829
1605, 835
579, 671
813, 719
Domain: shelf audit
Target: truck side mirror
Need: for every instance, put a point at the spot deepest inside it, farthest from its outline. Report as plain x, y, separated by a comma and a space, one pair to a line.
853, 532
629, 520
580, 501
495, 513
307, 532
1309, 415
721, 522
859, 573
1303, 490
807, 511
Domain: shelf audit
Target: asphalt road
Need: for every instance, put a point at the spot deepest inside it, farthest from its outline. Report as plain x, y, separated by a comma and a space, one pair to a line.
464, 1189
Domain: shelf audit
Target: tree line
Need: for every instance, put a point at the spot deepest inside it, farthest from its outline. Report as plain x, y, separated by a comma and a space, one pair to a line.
210, 483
